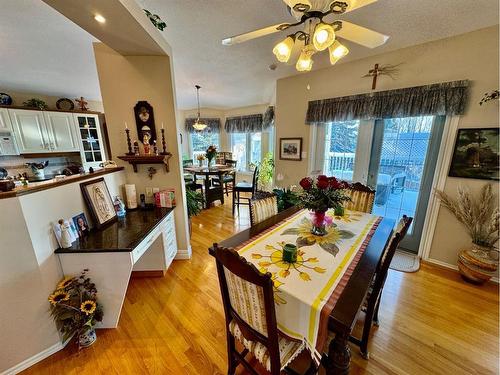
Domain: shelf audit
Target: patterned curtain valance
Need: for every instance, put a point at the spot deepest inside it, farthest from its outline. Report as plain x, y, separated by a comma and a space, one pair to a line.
213, 124
268, 117
449, 98
244, 124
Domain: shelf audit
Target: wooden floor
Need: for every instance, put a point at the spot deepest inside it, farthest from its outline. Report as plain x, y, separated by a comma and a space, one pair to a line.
431, 321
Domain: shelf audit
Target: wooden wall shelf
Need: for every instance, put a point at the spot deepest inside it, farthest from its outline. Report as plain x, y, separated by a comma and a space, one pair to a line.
147, 159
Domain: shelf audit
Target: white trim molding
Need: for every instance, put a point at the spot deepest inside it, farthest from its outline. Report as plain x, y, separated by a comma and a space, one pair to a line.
34, 359
439, 181
184, 254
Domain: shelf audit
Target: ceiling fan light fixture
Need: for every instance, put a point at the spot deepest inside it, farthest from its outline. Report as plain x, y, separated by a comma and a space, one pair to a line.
305, 61
283, 49
323, 37
336, 51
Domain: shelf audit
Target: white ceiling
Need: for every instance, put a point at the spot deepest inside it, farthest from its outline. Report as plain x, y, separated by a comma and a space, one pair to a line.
43, 52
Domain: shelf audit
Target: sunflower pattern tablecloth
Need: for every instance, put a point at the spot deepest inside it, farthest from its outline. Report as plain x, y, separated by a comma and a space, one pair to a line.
306, 291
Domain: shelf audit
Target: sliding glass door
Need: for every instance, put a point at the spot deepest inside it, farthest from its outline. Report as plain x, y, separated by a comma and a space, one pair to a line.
396, 157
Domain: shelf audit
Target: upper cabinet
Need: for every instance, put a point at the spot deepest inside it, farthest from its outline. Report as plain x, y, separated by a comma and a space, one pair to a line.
61, 131
44, 132
4, 120
91, 140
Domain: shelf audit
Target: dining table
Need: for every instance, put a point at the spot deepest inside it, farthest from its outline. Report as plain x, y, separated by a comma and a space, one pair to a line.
212, 192
320, 295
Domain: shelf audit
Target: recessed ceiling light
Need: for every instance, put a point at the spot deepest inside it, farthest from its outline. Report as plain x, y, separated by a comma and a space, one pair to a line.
99, 18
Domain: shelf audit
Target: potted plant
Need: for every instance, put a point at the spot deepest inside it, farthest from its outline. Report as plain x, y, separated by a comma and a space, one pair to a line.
75, 309
286, 197
321, 195
194, 202
480, 217
266, 172
210, 154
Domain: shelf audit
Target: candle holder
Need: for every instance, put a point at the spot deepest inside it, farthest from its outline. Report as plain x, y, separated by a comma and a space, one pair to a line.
163, 143
289, 253
129, 143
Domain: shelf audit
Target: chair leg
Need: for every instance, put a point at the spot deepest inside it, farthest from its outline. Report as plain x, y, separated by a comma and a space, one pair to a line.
231, 348
234, 200
363, 347
375, 314
238, 203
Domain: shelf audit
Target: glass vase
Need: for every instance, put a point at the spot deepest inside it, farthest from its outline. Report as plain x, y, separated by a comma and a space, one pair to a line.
319, 223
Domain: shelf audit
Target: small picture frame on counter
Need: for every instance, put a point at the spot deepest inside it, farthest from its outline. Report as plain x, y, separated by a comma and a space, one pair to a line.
81, 225
99, 202
70, 234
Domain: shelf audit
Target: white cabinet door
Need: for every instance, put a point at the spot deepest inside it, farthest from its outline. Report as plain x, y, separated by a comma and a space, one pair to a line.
61, 131
90, 138
4, 120
29, 131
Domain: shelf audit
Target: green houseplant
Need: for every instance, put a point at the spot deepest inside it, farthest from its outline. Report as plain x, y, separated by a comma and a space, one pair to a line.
194, 203
266, 172
287, 197
480, 217
75, 309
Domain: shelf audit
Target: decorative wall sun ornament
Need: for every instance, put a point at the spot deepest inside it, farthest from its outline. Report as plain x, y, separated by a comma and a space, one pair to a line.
318, 35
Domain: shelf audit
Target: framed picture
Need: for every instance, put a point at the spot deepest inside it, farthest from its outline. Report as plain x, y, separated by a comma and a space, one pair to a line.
99, 202
291, 149
81, 225
145, 122
476, 154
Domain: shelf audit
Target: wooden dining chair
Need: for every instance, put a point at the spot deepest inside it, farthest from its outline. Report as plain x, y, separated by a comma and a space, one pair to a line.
372, 300
248, 299
263, 207
228, 178
188, 177
362, 198
245, 187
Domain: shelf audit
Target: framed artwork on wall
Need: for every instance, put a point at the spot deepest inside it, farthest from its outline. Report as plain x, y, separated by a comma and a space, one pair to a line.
99, 202
476, 154
291, 149
145, 122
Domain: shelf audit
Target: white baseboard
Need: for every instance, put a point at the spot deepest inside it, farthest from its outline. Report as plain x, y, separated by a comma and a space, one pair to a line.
33, 360
453, 267
183, 254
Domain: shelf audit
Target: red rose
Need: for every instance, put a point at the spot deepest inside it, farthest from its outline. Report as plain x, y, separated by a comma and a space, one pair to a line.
306, 183
345, 185
322, 182
334, 183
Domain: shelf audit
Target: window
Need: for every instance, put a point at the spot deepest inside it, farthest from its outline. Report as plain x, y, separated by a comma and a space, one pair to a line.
201, 140
247, 149
340, 149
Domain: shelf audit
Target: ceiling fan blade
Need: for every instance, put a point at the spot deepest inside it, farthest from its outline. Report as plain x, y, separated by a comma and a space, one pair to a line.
299, 5
254, 34
356, 4
361, 35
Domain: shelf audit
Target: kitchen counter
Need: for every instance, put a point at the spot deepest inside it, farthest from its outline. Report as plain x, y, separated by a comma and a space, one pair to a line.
49, 184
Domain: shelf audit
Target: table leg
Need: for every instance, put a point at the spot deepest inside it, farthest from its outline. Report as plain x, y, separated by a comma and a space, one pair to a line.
339, 355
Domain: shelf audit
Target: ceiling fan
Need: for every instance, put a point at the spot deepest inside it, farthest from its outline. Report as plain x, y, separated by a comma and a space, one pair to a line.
318, 35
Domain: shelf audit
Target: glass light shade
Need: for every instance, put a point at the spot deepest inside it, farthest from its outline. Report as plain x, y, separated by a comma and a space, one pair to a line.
337, 51
283, 49
199, 125
305, 61
323, 37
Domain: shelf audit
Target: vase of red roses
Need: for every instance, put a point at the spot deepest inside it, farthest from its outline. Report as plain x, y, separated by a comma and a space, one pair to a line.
319, 196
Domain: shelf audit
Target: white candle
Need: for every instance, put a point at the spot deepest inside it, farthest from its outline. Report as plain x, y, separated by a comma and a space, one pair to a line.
162, 125
126, 126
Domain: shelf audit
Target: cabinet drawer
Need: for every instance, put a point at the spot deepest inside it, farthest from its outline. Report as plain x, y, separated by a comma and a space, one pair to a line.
144, 245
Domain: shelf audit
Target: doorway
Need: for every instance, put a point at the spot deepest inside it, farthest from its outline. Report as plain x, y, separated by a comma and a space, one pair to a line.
396, 157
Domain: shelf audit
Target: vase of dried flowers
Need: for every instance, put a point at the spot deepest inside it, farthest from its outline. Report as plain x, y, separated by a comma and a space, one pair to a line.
75, 309
480, 216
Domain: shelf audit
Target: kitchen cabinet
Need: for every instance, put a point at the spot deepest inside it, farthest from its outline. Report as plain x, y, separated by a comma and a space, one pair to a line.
61, 131
44, 131
90, 139
5, 125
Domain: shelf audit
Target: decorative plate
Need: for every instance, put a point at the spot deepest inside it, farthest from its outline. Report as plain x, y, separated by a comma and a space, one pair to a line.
65, 104
5, 99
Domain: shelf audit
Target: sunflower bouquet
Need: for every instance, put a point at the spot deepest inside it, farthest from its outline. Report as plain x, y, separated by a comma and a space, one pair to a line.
74, 306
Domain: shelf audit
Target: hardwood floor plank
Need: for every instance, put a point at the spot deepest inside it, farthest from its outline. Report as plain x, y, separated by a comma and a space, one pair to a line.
431, 321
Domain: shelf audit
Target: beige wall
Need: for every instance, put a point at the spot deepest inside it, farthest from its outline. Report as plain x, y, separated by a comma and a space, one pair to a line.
125, 80
19, 97
472, 56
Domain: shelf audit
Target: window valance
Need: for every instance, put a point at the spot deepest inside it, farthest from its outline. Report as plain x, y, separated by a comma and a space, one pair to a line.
213, 124
268, 117
448, 98
244, 124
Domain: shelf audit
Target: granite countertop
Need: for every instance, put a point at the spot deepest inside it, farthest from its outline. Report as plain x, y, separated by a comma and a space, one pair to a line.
33, 187
121, 236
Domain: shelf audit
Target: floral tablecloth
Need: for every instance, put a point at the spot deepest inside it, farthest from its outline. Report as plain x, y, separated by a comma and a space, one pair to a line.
306, 291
